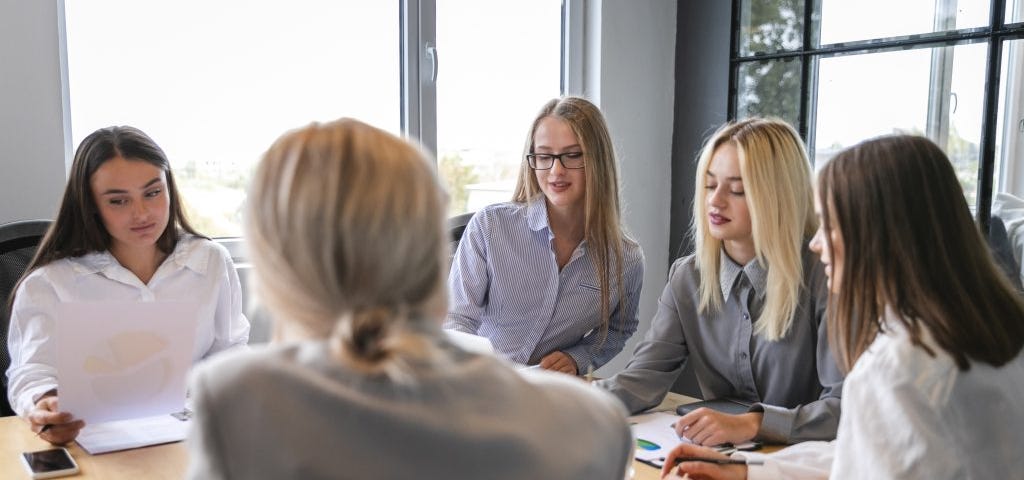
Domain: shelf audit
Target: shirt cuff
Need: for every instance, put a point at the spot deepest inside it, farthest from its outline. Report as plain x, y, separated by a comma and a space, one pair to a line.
581, 356
776, 423
768, 471
27, 400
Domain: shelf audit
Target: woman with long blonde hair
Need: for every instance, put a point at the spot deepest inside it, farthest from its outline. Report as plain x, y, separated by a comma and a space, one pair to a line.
747, 308
928, 326
551, 278
345, 227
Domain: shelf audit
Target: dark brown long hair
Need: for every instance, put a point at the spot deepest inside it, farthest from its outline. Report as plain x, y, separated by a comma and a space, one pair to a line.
78, 229
911, 245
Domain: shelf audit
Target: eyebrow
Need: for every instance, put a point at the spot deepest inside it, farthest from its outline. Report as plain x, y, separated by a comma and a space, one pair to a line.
728, 179
116, 191
545, 147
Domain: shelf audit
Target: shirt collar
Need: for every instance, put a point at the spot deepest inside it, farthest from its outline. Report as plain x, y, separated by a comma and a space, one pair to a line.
537, 213
729, 271
187, 254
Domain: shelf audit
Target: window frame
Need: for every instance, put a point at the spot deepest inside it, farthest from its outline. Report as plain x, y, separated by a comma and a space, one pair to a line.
995, 34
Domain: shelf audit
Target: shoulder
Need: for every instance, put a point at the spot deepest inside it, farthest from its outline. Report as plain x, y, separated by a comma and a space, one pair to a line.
590, 404
893, 358
236, 372
632, 253
501, 213
199, 254
683, 272
61, 271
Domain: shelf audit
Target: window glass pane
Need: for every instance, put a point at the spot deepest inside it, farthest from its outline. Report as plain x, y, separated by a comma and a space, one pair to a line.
846, 21
499, 63
1010, 130
1014, 11
938, 93
214, 83
770, 26
770, 88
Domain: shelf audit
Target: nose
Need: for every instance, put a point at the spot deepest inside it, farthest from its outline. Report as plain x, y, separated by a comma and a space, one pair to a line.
140, 210
557, 168
817, 244
716, 197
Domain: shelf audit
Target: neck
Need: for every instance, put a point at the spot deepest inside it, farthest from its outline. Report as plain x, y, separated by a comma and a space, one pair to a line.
142, 261
566, 222
740, 251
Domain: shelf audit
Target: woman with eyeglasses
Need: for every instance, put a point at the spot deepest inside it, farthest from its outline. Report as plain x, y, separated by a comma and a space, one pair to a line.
747, 308
551, 278
929, 328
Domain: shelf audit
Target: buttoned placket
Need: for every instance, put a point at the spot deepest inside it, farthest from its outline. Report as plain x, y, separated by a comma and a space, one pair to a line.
744, 293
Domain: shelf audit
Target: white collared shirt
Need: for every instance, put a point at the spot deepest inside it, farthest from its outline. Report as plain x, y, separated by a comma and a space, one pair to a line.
907, 414
197, 271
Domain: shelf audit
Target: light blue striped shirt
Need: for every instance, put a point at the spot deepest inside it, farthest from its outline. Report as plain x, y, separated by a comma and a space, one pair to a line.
505, 285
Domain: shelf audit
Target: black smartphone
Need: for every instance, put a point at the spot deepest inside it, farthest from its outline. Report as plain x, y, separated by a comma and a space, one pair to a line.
56, 462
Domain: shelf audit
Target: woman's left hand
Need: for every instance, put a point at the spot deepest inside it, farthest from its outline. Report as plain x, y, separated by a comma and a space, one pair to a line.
705, 426
559, 362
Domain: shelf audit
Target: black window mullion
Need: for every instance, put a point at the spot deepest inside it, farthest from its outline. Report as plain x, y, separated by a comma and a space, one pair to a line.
986, 169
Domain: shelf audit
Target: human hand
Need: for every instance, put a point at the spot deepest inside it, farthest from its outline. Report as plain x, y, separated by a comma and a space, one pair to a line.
559, 362
701, 470
63, 427
705, 426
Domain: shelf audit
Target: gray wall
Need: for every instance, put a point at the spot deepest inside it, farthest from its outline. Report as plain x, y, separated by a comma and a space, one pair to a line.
629, 74
703, 33
32, 141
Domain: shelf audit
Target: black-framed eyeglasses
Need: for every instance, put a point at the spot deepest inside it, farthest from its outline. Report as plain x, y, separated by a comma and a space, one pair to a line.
545, 161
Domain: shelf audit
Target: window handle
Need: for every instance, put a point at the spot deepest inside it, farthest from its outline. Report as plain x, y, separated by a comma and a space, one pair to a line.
432, 56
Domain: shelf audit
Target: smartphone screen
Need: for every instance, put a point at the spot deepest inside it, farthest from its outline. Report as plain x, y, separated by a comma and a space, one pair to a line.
49, 461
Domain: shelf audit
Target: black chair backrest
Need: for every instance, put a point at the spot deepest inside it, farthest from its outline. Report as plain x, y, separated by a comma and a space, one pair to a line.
1002, 250
18, 242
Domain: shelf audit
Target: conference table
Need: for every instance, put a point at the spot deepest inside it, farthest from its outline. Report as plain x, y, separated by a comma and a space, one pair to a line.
168, 461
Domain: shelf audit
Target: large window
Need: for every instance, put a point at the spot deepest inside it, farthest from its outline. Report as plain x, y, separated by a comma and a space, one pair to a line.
843, 71
488, 91
214, 83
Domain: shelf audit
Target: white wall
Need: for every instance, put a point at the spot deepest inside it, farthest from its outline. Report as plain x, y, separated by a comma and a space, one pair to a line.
630, 74
32, 142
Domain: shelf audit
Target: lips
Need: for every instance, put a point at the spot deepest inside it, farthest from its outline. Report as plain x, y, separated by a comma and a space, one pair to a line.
559, 186
717, 219
143, 229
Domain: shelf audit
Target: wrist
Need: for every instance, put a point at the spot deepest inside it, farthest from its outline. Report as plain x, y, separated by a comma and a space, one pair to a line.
754, 423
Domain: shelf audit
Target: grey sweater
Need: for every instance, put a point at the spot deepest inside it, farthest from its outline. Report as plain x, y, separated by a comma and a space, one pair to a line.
293, 411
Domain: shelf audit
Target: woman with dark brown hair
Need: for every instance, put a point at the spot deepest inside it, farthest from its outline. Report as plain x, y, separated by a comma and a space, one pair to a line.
929, 328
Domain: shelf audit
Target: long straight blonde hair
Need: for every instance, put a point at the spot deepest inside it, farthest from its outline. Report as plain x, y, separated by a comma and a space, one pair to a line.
602, 228
345, 226
777, 185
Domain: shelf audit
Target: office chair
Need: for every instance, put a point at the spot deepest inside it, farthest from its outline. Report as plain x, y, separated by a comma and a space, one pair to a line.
456, 226
1002, 250
18, 242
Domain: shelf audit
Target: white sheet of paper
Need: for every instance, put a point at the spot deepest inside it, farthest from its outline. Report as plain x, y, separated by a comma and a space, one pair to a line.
470, 342
654, 435
124, 434
122, 360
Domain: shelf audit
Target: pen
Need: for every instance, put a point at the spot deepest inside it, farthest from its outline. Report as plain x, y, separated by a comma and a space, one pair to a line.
45, 428
719, 461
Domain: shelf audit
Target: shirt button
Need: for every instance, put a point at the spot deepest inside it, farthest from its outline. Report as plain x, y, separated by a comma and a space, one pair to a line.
746, 316
743, 355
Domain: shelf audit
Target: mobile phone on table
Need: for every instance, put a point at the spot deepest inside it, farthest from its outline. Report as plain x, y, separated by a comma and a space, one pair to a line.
56, 462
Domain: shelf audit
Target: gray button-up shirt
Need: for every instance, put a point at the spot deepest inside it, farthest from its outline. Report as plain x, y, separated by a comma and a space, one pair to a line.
794, 381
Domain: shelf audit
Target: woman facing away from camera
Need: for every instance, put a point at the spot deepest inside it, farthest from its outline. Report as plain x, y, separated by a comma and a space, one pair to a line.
120, 235
748, 307
345, 226
551, 278
928, 326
